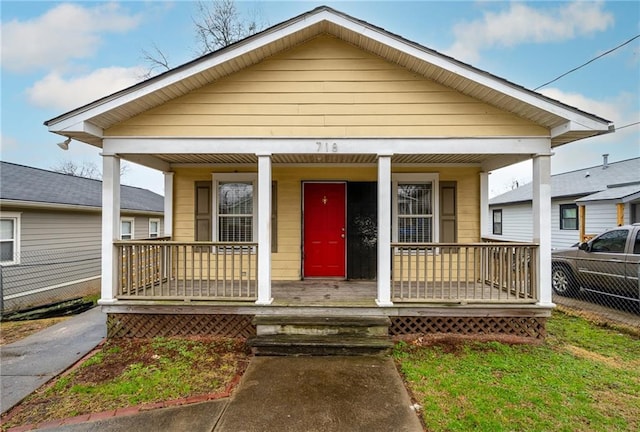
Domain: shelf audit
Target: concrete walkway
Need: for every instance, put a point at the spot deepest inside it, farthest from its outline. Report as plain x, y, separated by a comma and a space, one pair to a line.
285, 394
27, 364
356, 393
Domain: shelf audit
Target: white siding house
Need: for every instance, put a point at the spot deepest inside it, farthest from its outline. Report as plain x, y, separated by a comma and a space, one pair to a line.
50, 240
583, 203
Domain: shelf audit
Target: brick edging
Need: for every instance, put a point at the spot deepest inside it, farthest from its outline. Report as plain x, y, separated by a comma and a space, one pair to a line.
133, 410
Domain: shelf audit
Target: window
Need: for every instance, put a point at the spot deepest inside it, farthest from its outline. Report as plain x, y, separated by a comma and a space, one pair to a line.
235, 203
154, 228
568, 217
497, 222
612, 242
10, 238
415, 200
126, 228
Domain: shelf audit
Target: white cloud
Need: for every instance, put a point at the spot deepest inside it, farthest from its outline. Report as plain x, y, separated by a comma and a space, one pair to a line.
523, 24
54, 91
7, 143
65, 32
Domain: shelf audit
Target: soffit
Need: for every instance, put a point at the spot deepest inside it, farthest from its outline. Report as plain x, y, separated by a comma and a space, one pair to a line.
293, 159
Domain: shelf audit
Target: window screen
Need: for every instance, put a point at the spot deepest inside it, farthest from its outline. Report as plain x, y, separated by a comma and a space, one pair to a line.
235, 212
415, 213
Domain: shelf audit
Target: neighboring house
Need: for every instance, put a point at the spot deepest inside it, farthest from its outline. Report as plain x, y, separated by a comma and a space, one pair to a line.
584, 202
51, 233
318, 152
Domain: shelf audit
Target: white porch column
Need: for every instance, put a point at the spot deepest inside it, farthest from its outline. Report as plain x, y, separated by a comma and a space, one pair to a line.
168, 204
484, 204
264, 229
110, 226
542, 224
384, 230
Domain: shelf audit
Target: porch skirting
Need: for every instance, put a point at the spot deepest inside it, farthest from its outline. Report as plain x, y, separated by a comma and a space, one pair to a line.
523, 323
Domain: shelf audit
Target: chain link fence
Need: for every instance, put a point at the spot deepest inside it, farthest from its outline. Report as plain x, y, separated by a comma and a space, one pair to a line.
45, 276
606, 288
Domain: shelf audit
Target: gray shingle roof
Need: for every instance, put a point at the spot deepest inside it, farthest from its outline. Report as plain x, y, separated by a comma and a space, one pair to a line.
579, 183
23, 183
624, 193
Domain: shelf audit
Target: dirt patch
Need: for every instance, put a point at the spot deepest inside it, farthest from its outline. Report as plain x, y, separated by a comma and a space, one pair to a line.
454, 343
13, 331
133, 372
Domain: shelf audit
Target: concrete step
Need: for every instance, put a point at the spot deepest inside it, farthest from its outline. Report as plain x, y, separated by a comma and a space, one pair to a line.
322, 325
319, 345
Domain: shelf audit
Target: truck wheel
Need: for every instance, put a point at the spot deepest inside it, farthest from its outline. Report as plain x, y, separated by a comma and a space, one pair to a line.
562, 281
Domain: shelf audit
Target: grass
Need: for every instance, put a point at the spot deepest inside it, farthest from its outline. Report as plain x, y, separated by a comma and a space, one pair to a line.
129, 372
583, 378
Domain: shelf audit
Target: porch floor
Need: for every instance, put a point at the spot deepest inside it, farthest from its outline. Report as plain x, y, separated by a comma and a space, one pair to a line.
334, 293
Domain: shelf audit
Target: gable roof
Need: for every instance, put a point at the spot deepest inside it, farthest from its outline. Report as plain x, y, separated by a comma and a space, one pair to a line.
23, 184
584, 182
566, 123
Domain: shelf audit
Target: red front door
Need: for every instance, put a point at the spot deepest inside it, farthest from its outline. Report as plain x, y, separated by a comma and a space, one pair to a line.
324, 229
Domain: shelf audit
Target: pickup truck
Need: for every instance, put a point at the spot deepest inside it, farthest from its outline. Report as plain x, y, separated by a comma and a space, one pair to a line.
608, 263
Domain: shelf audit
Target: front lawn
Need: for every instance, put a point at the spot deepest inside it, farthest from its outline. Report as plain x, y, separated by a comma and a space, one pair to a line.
583, 378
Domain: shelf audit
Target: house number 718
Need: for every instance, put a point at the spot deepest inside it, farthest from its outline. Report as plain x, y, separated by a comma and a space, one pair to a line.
326, 147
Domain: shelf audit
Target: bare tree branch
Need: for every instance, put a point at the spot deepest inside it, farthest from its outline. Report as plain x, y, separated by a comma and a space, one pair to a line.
85, 169
217, 23
155, 60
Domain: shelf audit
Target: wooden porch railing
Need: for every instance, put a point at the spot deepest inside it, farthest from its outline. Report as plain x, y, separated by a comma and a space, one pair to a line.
171, 270
464, 273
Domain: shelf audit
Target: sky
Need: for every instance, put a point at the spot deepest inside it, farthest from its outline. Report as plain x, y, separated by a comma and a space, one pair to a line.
57, 56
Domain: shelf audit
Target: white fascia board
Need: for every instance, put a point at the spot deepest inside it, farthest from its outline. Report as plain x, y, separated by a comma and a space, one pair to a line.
71, 207
73, 126
378, 146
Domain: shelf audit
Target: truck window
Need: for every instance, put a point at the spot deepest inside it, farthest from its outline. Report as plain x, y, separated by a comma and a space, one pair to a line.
612, 241
636, 245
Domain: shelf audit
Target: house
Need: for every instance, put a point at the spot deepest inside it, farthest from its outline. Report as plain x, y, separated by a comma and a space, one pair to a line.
325, 167
51, 233
584, 202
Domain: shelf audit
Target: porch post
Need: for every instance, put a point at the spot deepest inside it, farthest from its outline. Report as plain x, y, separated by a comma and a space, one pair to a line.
110, 226
168, 204
264, 229
484, 204
542, 224
384, 230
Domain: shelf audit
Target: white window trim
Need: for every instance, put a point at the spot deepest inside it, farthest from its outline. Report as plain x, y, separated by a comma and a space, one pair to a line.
156, 220
15, 216
432, 178
217, 178
133, 226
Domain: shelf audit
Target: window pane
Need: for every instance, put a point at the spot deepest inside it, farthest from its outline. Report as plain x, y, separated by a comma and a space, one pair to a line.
235, 198
414, 199
414, 230
235, 229
126, 228
613, 241
6, 229
6, 251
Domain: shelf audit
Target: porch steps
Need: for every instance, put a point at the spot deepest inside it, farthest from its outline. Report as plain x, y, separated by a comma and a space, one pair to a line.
319, 335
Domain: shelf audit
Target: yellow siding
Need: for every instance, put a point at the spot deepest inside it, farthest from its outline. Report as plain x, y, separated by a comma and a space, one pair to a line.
286, 263
325, 88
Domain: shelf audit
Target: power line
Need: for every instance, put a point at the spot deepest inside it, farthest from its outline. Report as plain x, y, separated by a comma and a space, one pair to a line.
590, 61
627, 125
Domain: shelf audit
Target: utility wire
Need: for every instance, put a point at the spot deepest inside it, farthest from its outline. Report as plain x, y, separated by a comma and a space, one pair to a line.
590, 61
627, 125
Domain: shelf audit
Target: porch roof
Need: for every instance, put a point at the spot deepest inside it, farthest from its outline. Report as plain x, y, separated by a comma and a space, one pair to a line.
565, 123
